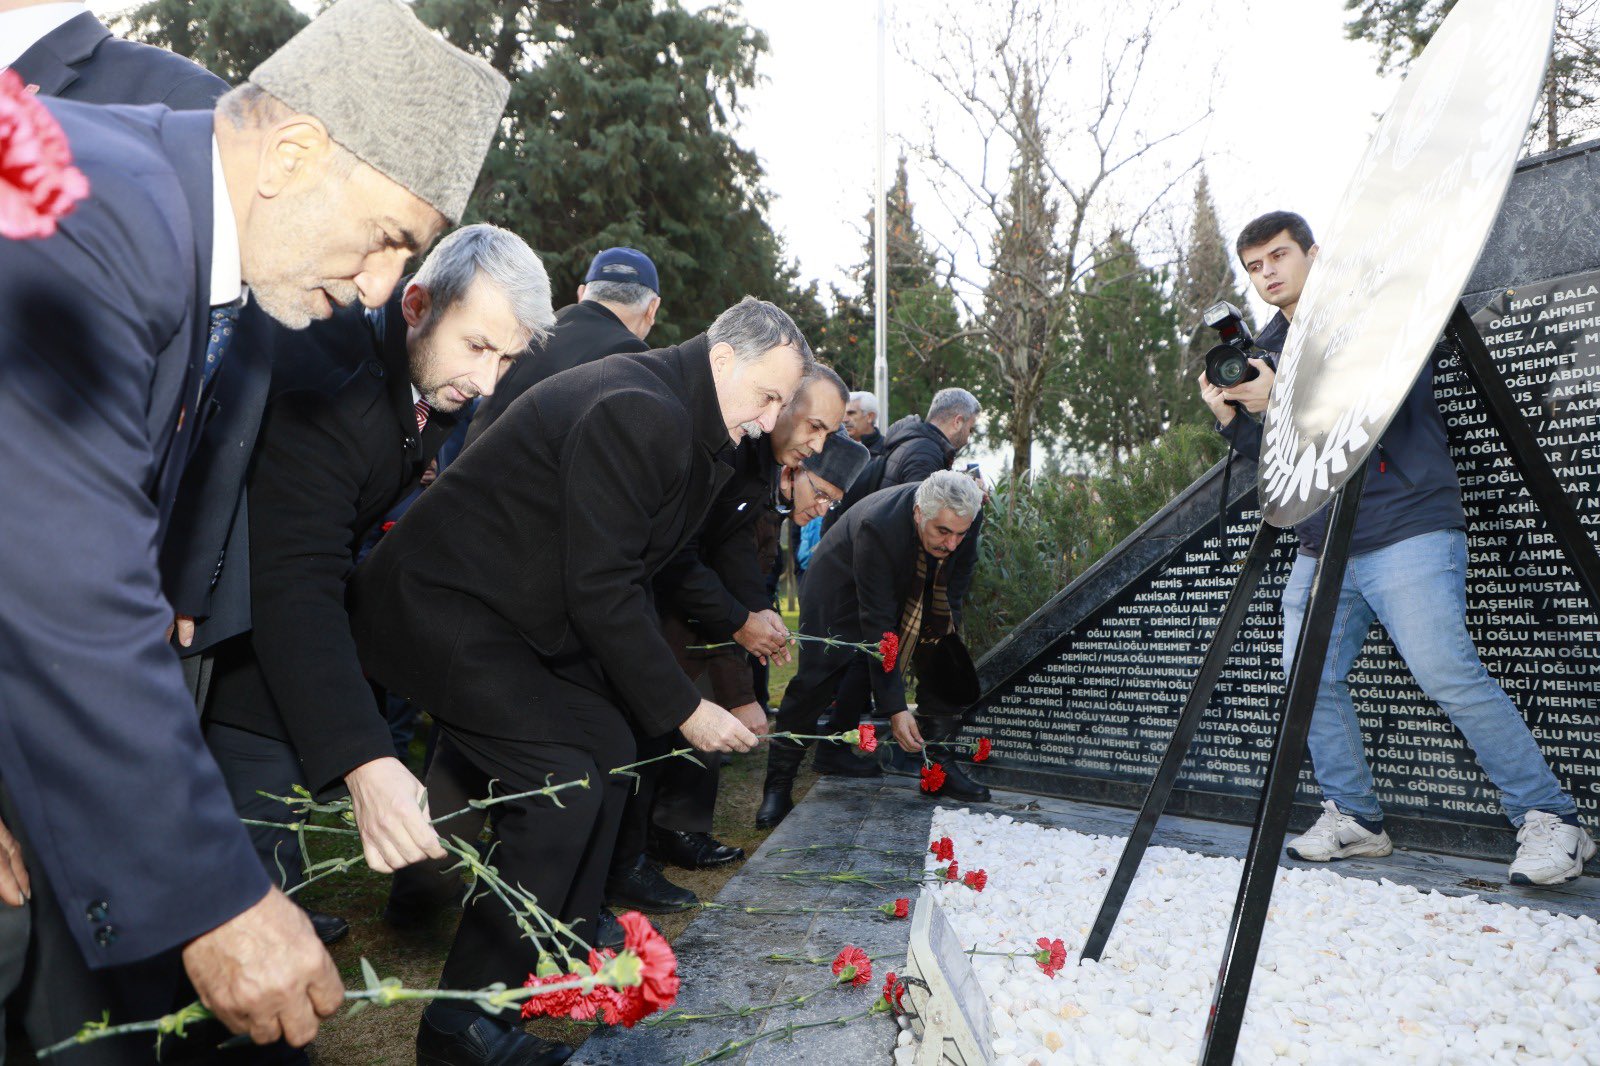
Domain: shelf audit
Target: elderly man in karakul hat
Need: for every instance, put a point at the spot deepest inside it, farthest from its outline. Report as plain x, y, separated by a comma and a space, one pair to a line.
309, 186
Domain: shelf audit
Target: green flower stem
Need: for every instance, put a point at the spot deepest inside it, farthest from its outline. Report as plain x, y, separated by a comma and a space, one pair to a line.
483, 804
296, 827
676, 753
889, 852
818, 960
383, 994
794, 638
786, 1032
786, 910
550, 927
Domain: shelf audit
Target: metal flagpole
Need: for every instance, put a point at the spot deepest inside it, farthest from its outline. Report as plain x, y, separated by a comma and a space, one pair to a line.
880, 257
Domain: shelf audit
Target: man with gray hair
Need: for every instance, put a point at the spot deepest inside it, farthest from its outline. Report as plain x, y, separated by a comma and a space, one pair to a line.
514, 602
616, 309
901, 562
861, 422
289, 702
116, 330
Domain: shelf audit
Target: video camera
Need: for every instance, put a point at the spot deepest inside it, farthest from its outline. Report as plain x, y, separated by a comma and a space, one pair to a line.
1228, 363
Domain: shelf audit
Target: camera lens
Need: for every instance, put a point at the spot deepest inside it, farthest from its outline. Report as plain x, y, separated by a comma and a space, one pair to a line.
1230, 370
1227, 366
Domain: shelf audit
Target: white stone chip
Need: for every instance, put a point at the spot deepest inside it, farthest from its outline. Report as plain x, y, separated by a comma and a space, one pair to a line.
1350, 970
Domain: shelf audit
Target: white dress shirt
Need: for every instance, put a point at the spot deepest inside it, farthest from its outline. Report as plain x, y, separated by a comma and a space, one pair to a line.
23, 28
227, 286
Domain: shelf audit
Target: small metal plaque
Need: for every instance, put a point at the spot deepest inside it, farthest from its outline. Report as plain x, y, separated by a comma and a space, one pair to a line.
1401, 245
955, 1011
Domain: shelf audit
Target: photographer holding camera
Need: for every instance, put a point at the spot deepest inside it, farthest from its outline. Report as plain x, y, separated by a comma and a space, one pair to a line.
1407, 569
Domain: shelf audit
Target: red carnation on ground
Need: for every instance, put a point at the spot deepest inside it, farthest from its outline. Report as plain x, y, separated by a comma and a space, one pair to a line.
951, 872
894, 992
932, 778
658, 989
944, 849
852, 967
38, 183
553, 1004
897, 909
869, 738
1051, 956
983, 749
889, 649
975, 880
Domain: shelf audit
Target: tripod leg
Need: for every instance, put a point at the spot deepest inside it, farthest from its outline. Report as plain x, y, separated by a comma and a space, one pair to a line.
1155, 801
1536, 472
1277, 792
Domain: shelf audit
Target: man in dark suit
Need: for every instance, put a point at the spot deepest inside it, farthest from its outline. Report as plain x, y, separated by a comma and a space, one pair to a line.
65, 51
900, 562
616, 309
109, 329
514, 603
291, 694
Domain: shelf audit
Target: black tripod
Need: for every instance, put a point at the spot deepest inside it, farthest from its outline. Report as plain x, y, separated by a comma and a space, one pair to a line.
1289, 747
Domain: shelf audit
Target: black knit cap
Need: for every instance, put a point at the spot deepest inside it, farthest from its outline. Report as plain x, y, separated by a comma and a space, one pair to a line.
840, 461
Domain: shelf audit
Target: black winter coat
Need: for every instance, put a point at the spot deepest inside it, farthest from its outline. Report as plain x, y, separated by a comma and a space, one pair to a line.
914, 449
533, 554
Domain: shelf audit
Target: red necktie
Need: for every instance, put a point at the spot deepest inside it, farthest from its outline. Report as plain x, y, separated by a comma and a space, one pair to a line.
422, 414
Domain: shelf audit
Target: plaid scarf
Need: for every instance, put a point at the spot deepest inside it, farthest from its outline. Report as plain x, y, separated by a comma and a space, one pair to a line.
912, 623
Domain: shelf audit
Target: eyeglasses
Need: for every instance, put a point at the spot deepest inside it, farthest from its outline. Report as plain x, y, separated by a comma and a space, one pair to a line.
829, 502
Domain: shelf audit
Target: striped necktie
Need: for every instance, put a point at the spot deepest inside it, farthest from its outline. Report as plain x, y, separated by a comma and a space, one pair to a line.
422, 414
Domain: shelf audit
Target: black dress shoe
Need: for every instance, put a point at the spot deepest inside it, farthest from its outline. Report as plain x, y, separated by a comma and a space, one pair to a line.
840, 760
647, 889
610, 933
486, 1042
958, 786
775, 807
692, 851
330, 928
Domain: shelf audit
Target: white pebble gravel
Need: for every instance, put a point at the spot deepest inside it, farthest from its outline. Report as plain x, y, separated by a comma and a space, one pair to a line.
1350, 970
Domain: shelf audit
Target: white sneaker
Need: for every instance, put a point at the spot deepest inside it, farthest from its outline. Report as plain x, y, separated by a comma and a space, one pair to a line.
1338, 836
1549, 851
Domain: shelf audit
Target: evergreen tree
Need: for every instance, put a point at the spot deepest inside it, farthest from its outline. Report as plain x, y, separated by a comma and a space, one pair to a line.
619, 131
1569, 105
227, 37
1123, 367
926, 347
1205, 277
1027, 303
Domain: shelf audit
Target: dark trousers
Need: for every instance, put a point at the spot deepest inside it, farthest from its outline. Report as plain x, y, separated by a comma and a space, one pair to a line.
252, 764
853, 699
822, 668
58, 992
558, 853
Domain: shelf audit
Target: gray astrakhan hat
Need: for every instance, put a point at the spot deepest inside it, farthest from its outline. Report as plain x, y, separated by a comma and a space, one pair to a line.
840, 461
417, 109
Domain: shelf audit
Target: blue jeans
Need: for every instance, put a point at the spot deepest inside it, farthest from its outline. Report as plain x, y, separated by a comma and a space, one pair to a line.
1418, 590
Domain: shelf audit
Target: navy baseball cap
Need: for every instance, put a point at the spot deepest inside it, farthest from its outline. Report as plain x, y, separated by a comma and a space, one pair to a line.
626, 265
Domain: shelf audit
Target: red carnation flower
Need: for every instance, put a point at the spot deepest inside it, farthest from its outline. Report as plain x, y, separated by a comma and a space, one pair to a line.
944, 849
852, 966
659, 988
1051, 956
554, 1004
38, 183
983, 749
951, 872
869, 738
975, 880
894, 992
889, 649
932, 778
902, 907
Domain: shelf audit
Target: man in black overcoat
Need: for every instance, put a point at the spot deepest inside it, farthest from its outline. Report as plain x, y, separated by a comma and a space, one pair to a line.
863, 582
514, 602
289, 703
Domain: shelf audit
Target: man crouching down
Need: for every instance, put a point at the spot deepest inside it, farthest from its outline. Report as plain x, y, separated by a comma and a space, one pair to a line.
513, 601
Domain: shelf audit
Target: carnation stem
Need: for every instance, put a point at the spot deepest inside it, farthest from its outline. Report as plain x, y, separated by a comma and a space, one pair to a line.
786, 1032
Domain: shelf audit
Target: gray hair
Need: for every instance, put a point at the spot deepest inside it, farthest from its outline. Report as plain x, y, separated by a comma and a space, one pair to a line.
867, 401
818, 372
953, 403
502, 257
250, 107
753, 327
946, 488
629, 294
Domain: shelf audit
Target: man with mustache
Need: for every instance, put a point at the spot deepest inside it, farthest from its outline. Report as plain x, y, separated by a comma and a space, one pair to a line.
290, 694
514, 602
900, 562
112, 335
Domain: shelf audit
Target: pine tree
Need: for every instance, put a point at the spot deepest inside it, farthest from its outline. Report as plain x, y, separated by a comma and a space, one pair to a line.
926, 347
1026, 305
227, 37
1123, 365
619, 131
1205, 277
